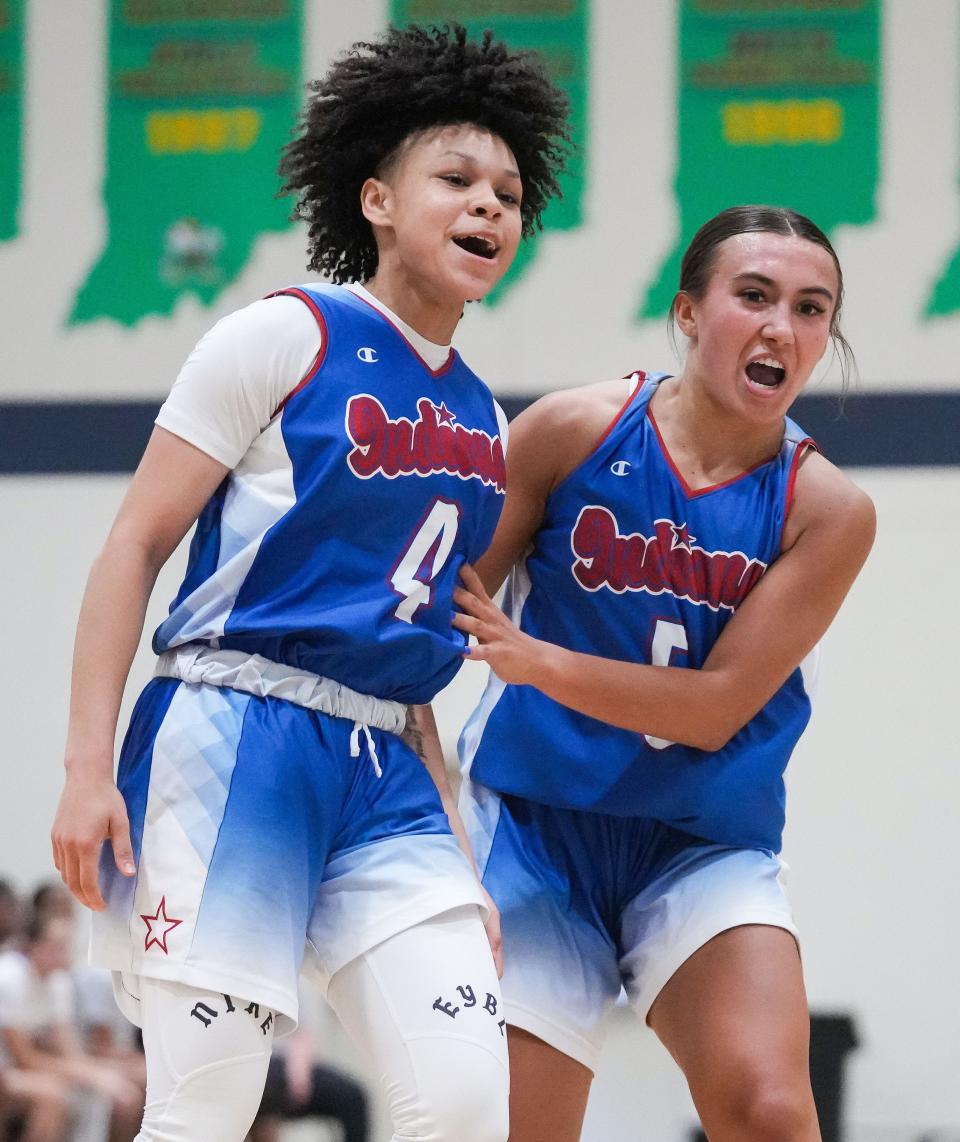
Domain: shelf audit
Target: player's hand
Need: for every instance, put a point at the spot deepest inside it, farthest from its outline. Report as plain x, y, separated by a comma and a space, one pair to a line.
91, 811
513, 655
492, 927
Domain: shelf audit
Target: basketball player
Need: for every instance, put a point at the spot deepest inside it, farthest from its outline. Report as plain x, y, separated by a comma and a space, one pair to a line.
683, 546
343, 462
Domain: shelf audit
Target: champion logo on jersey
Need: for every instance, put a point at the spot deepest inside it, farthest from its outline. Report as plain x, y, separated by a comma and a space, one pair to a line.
431, 443
367, 355
666, 561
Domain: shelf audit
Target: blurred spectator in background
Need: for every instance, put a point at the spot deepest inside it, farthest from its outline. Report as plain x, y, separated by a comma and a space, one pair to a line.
51, 898
107, 1035
47, 1077
10, 915
32, 1108
105, 1031
299, 1086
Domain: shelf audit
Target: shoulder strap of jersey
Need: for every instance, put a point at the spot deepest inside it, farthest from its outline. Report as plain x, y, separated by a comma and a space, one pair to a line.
795, 445
307, 296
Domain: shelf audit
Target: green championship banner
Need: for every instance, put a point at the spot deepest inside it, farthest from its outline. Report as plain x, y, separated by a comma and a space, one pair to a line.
202, 96
558, 30
11, 112
945, 296
779, 103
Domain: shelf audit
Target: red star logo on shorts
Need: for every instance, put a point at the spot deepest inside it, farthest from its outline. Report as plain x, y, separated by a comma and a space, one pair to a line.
159, 926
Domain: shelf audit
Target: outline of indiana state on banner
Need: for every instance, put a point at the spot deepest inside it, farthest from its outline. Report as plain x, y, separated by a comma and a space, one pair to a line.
944, 297
12, 34
775, 97
200, 102
559, 31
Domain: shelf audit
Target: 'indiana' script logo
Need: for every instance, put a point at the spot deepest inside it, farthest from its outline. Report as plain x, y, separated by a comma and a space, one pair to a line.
666, 561
431, 443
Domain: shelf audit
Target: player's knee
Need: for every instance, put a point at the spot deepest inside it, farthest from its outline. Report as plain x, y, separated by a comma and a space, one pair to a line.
462, 1093
204, 1076
773, 1112
469, 1114
782, 1115
213, 1105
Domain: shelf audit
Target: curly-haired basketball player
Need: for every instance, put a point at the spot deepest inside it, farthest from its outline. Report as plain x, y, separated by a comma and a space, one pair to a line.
281, 783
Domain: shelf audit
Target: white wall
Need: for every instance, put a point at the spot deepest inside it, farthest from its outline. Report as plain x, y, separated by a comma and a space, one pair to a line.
874, 789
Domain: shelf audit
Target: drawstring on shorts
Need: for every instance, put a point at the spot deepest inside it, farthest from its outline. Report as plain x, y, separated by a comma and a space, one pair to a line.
198, 664
371, 748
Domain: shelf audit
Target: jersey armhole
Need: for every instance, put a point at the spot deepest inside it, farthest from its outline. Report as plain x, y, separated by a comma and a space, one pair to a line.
804, 446
317, 361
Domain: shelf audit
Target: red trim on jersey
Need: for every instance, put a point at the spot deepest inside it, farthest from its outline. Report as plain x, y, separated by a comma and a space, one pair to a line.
321, 352
641, 378
693, 493
802, 446
451, 355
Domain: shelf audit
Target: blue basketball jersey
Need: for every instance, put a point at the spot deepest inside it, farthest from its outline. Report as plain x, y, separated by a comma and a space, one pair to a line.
334, 545
631, 564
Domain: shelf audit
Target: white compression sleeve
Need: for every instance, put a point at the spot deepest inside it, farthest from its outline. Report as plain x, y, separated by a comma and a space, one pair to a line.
240, 371
207, 1057
425, 1005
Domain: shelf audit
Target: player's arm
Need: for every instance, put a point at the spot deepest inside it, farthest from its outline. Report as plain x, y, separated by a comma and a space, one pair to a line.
225, 395
422, 737
169, 489
299, 1058
547, 441
829, 537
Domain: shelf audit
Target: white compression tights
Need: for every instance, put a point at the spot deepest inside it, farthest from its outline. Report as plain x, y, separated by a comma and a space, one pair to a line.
424, 1006
207, 1057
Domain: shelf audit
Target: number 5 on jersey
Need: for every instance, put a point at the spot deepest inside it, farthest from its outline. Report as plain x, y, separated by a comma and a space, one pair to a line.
667, 637
424, 558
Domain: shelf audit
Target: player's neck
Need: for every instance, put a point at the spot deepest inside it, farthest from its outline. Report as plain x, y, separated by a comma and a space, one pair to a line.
432, 317
707, 442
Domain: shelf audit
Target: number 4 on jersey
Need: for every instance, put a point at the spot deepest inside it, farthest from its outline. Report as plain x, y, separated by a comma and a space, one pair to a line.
424, 557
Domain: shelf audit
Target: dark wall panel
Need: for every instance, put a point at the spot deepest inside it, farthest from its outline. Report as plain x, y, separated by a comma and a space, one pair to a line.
875, 430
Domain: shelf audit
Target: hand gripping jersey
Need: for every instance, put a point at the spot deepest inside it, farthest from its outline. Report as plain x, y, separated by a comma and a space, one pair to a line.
631, 564
334, 545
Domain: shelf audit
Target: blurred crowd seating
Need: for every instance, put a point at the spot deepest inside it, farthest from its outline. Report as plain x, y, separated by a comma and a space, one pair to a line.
72, 1067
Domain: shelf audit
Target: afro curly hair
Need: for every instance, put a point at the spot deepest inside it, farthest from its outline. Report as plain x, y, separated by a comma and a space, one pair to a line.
377, 95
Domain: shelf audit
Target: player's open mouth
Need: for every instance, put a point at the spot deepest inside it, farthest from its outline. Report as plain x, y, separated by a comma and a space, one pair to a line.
477, 244
767, 371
